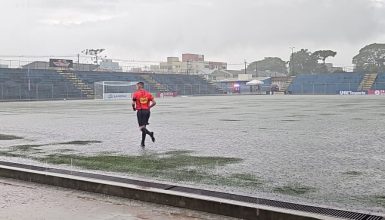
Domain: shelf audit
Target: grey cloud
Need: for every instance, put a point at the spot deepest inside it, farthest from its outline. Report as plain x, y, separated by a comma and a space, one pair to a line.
222, 29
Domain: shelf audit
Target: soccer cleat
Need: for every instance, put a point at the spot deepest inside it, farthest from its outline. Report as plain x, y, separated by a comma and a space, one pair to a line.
142, 144
152, 136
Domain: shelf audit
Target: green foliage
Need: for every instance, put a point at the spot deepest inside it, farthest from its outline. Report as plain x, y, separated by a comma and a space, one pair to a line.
323, 54
272, 64
370, 58
306, 62
302, 62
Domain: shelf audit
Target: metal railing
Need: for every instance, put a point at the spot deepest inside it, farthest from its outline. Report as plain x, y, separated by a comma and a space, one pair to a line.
329, 88
38, 91
56, 91
304, 88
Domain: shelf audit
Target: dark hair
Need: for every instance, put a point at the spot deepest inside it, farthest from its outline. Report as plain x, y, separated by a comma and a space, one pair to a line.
140, 83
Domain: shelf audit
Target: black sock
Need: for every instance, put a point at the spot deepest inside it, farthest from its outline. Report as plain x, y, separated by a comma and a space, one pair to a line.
143, 137
146, 131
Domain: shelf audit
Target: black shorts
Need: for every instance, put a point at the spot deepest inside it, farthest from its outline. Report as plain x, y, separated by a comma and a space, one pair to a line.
143, 117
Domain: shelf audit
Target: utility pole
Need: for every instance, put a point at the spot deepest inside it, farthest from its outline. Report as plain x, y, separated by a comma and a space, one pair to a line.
245, 66
188, 67
291, 63
256, 68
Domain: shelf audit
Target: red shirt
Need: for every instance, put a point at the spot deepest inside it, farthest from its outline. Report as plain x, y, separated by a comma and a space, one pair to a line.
142, 98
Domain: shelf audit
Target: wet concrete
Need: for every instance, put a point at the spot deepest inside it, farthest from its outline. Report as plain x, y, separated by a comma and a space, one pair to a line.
22, 200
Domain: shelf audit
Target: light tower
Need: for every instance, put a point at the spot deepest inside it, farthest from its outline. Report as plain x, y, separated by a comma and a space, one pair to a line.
93, 52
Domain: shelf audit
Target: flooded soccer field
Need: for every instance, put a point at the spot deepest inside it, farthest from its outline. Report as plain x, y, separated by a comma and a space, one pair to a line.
324, 150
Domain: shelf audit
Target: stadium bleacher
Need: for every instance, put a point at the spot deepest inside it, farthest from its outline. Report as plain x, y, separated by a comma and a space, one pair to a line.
380, 82
187, 84
327, 84
182, 84
24, 84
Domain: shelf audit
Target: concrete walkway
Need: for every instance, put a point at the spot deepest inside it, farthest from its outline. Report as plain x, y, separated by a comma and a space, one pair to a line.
22, 200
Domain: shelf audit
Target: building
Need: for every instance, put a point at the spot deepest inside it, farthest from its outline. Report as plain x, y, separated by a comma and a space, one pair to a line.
333, 69
155, 68
136, 70
173, 65
191, 64
217, 65
188, 57
109, 65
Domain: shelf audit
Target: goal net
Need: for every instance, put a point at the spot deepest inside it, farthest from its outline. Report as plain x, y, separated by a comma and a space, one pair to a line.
114, 90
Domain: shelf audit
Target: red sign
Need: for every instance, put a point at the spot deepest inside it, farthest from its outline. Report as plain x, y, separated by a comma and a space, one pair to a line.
61, 63
376, 92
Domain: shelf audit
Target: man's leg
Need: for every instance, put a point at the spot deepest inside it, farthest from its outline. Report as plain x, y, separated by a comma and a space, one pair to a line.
143, 139
146, 119
141, 123
145, 131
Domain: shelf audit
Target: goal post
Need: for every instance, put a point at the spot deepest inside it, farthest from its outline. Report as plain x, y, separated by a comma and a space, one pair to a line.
114, 90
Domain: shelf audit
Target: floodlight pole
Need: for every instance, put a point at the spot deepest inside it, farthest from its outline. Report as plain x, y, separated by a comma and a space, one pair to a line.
94, 52
103, 90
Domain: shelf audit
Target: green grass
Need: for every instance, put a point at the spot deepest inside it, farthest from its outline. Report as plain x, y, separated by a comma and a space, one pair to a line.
230, 120
25, 148
295, 189
176, 165
65, 150
188, 175
178, 152
145, 164
9, 137
352, 173
78, 142
20, 151
249, 179
379, 200
172, 165
8, 154
236, 180
242, 180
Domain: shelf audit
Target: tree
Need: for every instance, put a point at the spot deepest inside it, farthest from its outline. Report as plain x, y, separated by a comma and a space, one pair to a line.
323, 54
272, 64
302, 62
370, 58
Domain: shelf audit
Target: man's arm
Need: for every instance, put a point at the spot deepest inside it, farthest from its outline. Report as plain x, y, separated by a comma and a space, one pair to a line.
133, 104
153, 103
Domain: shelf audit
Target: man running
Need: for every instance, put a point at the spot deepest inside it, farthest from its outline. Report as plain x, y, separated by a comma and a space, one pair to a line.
142, 102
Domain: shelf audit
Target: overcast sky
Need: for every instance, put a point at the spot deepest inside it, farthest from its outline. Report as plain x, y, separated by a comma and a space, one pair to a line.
222, 30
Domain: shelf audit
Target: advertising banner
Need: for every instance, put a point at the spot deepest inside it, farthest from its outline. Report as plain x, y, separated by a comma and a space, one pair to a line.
61, 63
352, 93
117, 96
166, 94
376, 92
